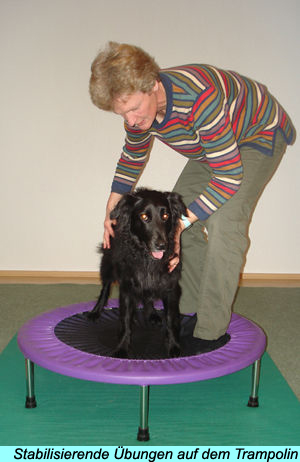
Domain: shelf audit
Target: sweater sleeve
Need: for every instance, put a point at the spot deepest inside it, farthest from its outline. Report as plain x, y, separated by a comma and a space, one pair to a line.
132, 161
222, 153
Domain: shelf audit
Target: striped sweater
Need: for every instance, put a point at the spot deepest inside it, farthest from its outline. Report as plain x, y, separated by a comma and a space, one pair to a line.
210, 114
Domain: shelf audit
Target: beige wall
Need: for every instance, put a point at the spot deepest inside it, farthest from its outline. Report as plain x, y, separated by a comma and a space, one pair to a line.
58, 152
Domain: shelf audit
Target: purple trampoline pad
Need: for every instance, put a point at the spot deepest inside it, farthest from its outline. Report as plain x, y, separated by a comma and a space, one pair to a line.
43, 341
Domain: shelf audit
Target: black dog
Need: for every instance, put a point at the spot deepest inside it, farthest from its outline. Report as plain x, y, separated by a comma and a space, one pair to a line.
138, 260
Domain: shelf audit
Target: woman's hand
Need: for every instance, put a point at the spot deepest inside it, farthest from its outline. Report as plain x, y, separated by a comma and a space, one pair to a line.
108, 222
108, 232
181, 227
175, 258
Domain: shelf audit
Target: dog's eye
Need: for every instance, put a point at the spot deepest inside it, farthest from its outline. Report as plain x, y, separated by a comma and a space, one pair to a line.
165, 216
144, 217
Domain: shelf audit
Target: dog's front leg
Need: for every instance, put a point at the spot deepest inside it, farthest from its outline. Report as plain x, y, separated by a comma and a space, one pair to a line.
171, 308
127, 308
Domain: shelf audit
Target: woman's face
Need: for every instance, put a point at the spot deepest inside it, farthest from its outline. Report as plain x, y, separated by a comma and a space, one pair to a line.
139, 109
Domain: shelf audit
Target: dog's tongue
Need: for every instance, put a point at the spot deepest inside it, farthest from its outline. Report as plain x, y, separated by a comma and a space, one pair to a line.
158, 255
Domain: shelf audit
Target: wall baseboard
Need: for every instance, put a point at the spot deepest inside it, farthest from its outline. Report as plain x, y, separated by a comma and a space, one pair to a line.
49, 277
92, 277
270, 280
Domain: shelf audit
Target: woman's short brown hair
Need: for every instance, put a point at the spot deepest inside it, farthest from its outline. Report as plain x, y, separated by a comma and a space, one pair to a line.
119, 70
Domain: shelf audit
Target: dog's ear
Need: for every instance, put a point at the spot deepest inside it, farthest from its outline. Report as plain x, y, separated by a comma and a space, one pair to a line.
176, 204
122, 211
124, 206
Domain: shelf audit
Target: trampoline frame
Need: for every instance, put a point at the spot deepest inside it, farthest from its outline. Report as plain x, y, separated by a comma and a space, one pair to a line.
34, 353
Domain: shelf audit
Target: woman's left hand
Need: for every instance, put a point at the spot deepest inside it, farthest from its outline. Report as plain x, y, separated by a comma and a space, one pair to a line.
175, 258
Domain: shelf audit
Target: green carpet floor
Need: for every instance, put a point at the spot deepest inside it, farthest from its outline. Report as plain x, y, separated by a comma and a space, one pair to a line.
73, 412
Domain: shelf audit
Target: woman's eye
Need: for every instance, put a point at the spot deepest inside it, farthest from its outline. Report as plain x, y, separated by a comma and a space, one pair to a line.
144, 216
165, 216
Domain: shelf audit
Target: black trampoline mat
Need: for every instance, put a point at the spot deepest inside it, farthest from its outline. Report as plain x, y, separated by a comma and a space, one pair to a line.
101, 337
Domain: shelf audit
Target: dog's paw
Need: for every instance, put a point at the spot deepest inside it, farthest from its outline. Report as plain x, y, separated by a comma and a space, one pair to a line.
155, 319
121, 353
174, 351
92, 316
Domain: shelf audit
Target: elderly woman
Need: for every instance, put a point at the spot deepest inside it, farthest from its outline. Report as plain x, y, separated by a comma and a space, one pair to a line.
233, 133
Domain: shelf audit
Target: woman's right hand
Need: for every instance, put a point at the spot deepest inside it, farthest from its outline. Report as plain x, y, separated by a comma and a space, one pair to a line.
108, 232
108, 222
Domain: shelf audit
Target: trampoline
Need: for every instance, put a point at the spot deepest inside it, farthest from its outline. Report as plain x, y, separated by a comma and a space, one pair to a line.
65, 341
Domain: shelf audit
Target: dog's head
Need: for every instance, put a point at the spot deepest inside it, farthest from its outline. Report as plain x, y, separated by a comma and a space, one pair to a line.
151, 218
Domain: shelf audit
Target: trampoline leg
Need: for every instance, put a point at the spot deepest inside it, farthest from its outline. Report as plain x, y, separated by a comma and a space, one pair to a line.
30, 398
143, 433
253, 400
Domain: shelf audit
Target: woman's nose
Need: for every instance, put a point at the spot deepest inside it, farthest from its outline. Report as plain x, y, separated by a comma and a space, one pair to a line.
131, 120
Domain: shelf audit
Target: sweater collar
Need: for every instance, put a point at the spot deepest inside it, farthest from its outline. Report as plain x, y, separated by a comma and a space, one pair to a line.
165, 80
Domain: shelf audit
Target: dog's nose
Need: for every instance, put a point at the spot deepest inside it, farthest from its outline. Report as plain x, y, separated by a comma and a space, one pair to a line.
160, 245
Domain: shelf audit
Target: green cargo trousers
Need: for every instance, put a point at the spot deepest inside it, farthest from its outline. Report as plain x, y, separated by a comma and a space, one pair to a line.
212, 262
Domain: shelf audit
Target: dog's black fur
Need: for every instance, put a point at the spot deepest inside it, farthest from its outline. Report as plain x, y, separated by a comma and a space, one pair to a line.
138, 259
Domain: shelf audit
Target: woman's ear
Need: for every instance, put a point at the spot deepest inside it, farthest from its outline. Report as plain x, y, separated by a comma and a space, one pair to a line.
155, 88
